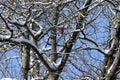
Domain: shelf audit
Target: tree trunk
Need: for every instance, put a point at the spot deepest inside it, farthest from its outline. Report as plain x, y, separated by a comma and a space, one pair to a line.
53, 42
69, 45
53, 76
111, 62
53, 35
26, 57
26, 54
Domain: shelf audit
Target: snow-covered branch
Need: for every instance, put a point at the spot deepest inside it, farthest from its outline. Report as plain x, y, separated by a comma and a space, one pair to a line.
114, 65
5, 34
38, 29
46, 49
89, 39
95, 17
104, 52
42, 57
13, 57
15, 22
24, 41
53, 65
8, 79
111, 10
12, 9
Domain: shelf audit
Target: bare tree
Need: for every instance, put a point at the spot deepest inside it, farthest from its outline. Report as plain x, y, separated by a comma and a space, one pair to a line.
60, 39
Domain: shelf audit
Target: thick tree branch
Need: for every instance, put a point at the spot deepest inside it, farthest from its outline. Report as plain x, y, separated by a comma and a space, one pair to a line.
71, 41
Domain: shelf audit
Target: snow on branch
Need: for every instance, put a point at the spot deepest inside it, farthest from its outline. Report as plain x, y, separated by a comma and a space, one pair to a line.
24, 41
38, 53
42, 3
89, 39
12, 9
15, 22
104, 52
8, 79
37, 26
93, 6
46, 49
95, 17
113, 67
12, 57
4, 34
53, 65
111, 10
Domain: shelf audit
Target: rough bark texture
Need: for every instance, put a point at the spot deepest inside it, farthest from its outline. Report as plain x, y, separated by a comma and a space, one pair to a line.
26, 57
53, 35
36, 67
25, 69
53, 41
111, 62
69, 45
70, 14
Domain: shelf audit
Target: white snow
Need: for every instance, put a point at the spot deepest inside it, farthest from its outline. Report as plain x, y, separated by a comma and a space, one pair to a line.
109, 70
112, 44
8, 79
78, 30
85, 78
15, 21
94, 6
46, 58
58, 62
5, 36
38, 25
47, 3
25, 41
111, 9
4, 33
22, 40
37, 33
46, 49
31, 61
106, 51
38, 78
99, 0
52, 65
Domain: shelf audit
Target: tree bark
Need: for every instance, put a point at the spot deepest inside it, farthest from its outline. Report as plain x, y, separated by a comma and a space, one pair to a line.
26, 57
53, 35
112, 69
53, 41
26, 54
111, 62
72, 39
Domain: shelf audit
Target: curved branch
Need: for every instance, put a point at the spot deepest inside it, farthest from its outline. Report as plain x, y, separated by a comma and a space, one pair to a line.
34, 47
